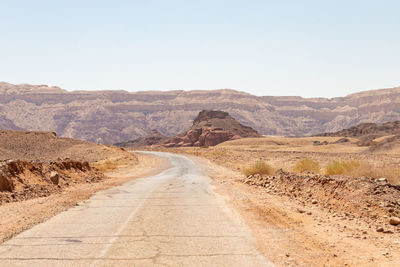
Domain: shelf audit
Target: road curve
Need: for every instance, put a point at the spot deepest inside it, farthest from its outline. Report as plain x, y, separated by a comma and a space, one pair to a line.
170, 219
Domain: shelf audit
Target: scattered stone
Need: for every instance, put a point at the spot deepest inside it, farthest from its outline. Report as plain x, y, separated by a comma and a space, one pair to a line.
394, 221
300, 210
314, 201
380, 229
54, 177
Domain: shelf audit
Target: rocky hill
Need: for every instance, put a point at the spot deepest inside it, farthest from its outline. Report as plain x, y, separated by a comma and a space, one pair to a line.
115, 116
383, 137
154, 138
369, 129
211, 128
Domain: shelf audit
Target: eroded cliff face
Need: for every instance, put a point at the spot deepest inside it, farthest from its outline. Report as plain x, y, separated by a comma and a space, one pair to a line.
114, 116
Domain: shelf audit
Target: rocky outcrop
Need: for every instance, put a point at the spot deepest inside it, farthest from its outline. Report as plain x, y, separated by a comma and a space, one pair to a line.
368, 134
154, 138
369, 129
211, 128
115, 116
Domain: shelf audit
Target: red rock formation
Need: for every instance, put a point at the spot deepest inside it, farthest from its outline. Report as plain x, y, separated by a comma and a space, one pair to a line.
211, 128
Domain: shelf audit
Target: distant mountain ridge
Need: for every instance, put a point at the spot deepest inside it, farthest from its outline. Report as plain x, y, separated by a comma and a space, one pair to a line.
115, 116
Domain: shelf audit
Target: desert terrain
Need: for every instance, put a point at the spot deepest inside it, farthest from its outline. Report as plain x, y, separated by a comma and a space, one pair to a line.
116, 116
306, 217
325, 200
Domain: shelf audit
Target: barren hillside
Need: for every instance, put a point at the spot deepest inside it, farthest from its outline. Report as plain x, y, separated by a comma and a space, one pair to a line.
46, 146
114, 116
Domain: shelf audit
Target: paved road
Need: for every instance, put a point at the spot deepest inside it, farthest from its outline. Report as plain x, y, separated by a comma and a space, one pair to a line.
171, 219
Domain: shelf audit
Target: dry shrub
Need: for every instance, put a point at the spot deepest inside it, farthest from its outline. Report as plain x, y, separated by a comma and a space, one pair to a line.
355, 168
342, 167
368, 170
105, 165
258, 168
306, 165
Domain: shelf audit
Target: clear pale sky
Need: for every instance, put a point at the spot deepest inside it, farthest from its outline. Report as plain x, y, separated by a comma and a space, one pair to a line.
284, 47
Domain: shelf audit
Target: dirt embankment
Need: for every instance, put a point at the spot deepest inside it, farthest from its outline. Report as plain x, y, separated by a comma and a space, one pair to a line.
37, 164
372, 201
22, 180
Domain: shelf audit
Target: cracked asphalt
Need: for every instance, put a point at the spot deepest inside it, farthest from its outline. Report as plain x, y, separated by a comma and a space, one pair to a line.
170, 219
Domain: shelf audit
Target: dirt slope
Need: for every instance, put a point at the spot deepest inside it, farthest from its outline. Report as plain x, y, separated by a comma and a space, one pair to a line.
22, 180
37, 164
46, 146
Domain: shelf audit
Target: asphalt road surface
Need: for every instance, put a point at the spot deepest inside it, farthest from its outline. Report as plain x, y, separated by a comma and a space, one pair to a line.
170, 219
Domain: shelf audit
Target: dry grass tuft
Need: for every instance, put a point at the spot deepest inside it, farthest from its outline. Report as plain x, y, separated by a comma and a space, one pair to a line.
105, 165
306, 165
342, 167
258, 168
355, 168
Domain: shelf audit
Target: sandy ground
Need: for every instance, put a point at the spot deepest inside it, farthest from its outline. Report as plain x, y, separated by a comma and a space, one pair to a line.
312, 237
19, 216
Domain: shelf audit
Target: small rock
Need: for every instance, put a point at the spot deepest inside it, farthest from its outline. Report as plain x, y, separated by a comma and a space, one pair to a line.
382, 180
309, 213
54, 177
314, 201
380, 229
300, 211
394, 220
